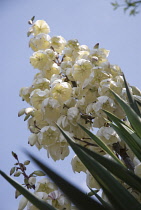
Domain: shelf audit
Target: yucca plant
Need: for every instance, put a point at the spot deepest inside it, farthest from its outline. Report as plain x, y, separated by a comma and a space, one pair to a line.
111, 174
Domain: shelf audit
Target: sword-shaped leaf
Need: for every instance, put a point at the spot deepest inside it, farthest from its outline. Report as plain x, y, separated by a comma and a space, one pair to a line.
119, 197
116, 169
131, 99
81, 200
133, 118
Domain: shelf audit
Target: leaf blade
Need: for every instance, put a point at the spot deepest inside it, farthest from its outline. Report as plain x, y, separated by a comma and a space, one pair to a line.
81, 201
116, 193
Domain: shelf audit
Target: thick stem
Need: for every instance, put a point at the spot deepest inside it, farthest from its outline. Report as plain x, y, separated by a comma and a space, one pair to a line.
122, 152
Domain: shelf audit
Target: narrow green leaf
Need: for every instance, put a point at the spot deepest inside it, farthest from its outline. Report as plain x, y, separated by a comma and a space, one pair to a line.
133, 118
78, 198
101, 144
131, 99
104, 203
138, 99
119, 197
27, 194
136, 140
116, 169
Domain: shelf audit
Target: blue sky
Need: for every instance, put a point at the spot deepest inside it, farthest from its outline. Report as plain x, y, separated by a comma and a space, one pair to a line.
90, 22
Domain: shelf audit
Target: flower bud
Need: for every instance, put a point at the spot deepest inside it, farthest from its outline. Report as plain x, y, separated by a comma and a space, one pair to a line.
15, 155
26, 162
17, 173
32, 139
26, 117
29, 110
22, 203
12, 170
32, 180
96, 46
17, 194
21, 112
39, 173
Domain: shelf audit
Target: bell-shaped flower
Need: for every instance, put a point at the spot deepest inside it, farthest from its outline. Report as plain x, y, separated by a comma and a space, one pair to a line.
45, 185
48, 135
51, 109
58, 151
40, 42
108, 135
58, 43
61, 91
40, 26
81, 70
77, 165
37, 96
22, 203
91, 182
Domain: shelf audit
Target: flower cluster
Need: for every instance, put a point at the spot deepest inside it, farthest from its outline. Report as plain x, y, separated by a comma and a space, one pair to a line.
48, 192
72, 86
43, 188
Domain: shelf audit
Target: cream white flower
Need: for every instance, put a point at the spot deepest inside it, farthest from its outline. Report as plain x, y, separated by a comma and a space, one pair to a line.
81, 70
22, 203
40, 42
101, 54
32, 139
77, 165
41, 83
63, 121
43, 59
39, 59
58, 43
91, 182
40, 26
73, 43
51, 109
37, 96
48, 135
32, 180
99, 75
58, 200
61, 91
73, 115
103, 103
58, 151
108, 135
25, 93
45, 185
53, 70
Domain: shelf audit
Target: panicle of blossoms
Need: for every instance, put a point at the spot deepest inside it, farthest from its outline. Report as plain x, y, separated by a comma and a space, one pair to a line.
72, 86
43, 188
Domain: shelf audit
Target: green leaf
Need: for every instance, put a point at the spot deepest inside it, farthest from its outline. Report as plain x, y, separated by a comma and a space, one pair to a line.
133, 118
119, 197
27, 194
77, 197
123, 126
138, 99
116, 169
104, 203
131, 99
101, 144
